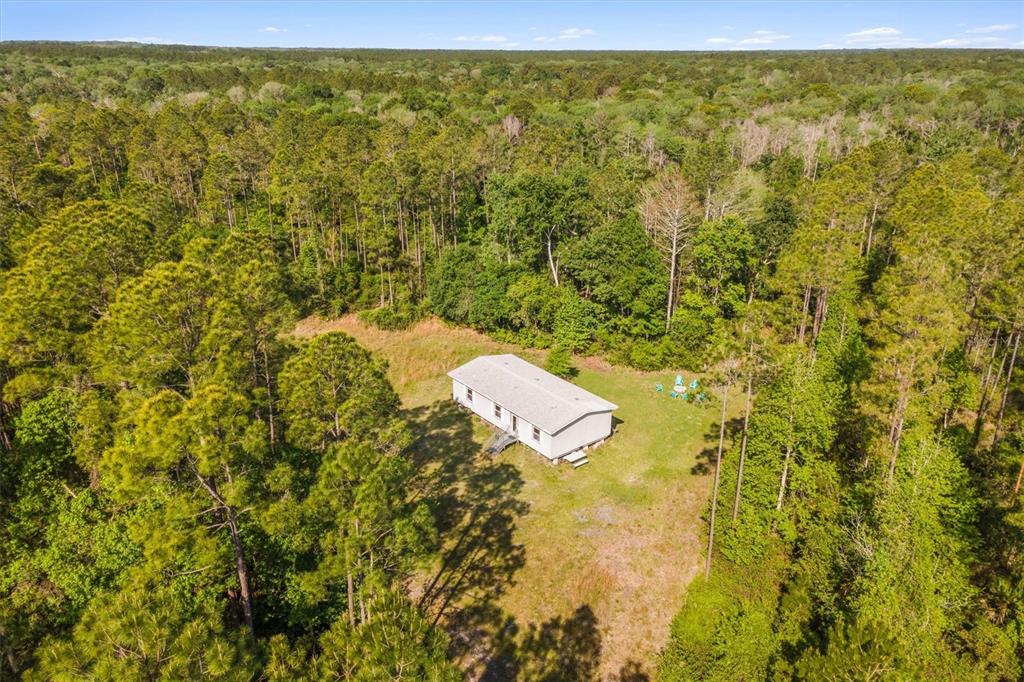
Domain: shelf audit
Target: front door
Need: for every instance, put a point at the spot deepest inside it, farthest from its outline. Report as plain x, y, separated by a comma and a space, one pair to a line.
515, 424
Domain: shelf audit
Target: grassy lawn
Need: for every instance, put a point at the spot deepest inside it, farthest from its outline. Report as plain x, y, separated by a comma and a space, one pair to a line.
547, 553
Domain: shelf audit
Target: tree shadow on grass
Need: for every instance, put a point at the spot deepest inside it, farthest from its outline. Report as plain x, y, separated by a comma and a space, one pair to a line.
476, 503
632, 671
557, 650
561, 649
706, 457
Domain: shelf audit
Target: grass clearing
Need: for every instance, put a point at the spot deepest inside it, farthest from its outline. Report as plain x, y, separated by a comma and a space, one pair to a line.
618, 538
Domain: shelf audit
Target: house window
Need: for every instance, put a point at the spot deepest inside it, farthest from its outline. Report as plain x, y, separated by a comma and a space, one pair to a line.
469, 395
497, 411
536, 434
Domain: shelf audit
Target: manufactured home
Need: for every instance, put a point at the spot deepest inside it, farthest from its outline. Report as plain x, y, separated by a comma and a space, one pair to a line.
546, 413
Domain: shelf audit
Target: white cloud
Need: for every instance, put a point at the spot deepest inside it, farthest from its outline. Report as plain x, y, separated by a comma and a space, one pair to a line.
755, 38
762, 40
274, 29
881, 36
566, 34
573, 33
763, 37
481, 39
495, 40
873, 34
994, 28
981, 41
129, 39
728, 28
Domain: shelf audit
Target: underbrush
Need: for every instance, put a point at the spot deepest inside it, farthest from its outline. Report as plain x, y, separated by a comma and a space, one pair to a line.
393, 319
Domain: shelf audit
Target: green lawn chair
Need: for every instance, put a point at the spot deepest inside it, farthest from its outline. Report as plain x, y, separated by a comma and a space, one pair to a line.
659, 388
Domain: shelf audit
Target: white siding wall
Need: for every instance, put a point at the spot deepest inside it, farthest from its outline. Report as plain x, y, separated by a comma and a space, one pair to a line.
459, 393
484, 407
481, 404
543, 446
586, 430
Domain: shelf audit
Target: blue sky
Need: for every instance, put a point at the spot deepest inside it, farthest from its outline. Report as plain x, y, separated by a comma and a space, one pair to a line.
525, 25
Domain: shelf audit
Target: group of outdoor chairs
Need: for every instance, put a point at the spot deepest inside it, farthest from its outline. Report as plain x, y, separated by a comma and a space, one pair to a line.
689, 393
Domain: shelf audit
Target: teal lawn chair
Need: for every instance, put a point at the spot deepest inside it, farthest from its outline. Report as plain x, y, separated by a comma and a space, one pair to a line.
659, 388
695, 384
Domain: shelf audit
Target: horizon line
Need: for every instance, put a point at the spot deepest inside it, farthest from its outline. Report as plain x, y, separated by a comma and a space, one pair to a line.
129, 43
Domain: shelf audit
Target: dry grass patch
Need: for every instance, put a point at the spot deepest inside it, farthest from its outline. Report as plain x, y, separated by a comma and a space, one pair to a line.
425, 352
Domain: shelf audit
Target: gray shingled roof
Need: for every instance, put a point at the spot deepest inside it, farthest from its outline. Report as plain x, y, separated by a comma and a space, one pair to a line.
537, 396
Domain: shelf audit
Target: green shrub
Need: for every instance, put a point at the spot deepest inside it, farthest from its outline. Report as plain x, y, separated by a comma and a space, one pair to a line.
559, 362
530, 338
391, 319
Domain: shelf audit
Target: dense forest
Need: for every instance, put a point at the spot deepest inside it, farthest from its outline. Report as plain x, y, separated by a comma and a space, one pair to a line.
187, 491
